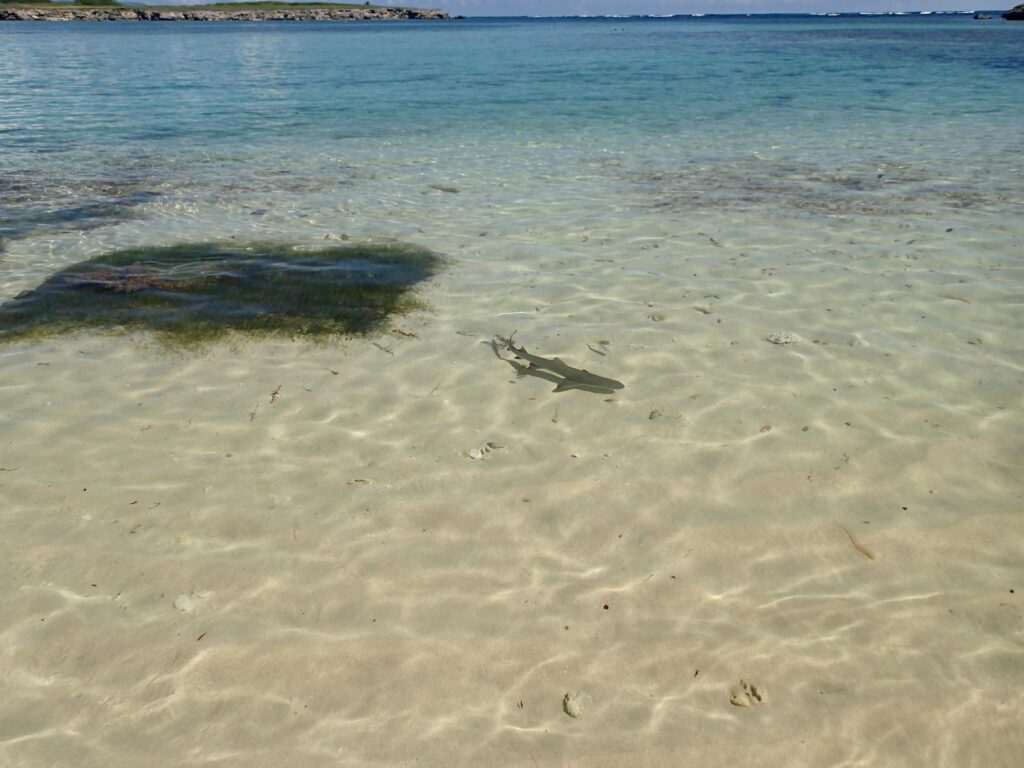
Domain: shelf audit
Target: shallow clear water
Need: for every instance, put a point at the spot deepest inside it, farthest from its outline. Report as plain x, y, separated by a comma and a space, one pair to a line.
391, 550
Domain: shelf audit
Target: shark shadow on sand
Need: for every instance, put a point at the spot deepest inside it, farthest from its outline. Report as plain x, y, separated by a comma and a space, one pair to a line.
552, 369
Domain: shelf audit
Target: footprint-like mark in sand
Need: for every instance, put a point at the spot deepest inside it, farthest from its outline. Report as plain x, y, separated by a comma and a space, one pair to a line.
484, 451
746, 694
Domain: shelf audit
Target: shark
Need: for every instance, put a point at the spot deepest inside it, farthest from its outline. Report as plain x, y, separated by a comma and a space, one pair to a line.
553, 369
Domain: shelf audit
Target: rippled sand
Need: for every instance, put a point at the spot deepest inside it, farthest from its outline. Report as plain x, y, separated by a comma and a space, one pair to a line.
200, 572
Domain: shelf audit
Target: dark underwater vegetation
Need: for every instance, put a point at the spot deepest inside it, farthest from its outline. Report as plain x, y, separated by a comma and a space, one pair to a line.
198, 292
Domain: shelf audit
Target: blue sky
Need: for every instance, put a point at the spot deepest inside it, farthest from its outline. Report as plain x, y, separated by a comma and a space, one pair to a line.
606, 7
579, 7
628, 7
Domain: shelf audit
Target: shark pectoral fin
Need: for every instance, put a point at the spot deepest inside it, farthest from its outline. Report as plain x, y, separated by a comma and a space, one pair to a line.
567, 384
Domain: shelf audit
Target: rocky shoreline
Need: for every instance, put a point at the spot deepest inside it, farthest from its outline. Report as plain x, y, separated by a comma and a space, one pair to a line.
324, 13
1015, 14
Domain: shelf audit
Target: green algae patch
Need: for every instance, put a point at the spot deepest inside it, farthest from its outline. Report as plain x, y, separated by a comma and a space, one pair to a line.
198, 292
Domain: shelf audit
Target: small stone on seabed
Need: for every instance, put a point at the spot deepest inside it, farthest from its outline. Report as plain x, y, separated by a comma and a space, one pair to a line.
784, 337
573, 703
184, 603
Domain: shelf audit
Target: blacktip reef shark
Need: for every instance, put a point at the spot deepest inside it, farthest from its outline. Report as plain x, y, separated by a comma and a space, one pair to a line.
553, 369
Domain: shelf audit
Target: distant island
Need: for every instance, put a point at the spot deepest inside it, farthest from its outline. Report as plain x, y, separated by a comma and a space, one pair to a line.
110, 10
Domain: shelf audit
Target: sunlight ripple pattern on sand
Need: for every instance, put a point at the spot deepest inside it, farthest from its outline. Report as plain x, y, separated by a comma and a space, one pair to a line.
360, 592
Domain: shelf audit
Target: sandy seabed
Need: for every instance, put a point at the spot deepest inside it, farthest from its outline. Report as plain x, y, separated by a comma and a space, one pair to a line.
269, 553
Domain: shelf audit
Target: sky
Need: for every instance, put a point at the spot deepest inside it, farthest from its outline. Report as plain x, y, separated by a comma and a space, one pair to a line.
662, 7
596, 7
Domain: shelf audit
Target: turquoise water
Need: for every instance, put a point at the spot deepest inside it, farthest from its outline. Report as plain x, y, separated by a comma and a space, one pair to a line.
155, 88
97, 119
